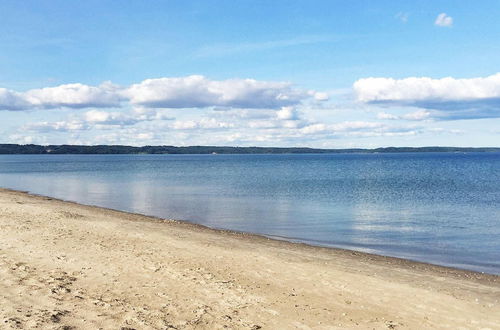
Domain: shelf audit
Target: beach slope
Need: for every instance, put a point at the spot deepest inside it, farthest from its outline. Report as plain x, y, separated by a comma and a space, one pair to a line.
70, 266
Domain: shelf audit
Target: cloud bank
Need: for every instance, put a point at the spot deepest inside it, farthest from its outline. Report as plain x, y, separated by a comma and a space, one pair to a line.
178, 92
452, 98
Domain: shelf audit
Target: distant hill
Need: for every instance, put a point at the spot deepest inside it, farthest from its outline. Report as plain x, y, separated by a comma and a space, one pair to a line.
119, 149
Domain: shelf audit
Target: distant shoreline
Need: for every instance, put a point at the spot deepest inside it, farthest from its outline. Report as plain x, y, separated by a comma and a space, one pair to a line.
16, 149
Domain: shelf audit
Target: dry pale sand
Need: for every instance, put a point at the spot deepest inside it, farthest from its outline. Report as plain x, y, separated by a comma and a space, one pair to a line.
65, 266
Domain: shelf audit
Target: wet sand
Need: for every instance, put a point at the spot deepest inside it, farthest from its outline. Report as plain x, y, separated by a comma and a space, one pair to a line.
70, 266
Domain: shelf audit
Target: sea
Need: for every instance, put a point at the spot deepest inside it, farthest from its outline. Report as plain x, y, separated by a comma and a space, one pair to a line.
440, 208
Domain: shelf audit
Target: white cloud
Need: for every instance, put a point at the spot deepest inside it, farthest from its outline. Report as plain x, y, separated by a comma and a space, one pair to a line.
444, 20
63, 96
205, 123
109, 118
245, 113
315, 128
286, 117
342, 127
98, 119
416, 115
145, 136
322, 131
277, 124
355, 125
95, 116
321, 96
147, 114
287, 113
385, 115
11, 100
178, 92
58, 126
422, 89
455, 98
263, 124
198, 92
73, 96
184, 124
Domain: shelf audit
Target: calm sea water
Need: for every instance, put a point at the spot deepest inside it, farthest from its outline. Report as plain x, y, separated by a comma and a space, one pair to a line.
442, 208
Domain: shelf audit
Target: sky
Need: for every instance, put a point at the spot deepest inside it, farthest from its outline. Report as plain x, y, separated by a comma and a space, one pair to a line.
325, 74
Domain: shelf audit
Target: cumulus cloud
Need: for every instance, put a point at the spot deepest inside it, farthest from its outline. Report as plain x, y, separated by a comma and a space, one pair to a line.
452, 98
287, 113
178, 92
11, 100
197, 92
444, 20
74, 96
422, 89
63, 96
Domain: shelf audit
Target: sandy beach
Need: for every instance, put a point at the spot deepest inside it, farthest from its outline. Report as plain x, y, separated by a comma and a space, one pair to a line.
70, 266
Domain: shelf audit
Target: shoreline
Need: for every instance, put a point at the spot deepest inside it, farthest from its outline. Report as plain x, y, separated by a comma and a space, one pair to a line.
372, 256
229, 278
346, 251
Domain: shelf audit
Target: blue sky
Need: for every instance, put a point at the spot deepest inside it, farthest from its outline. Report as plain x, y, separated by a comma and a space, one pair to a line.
273, 73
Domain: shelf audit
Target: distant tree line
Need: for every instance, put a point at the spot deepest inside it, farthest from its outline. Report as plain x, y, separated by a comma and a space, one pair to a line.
120, 149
